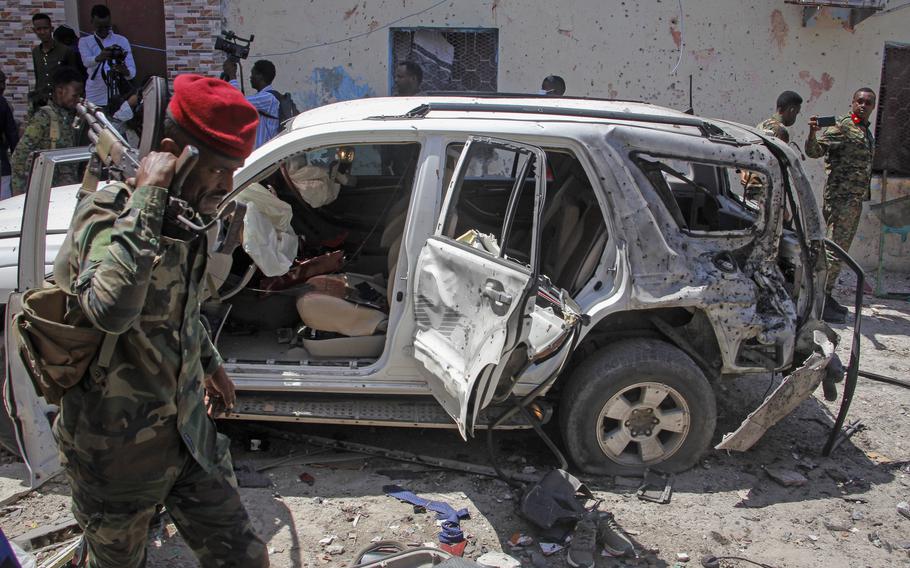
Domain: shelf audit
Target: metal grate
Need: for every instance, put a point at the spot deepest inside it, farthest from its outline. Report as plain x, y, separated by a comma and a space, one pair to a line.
892, 127
451, 59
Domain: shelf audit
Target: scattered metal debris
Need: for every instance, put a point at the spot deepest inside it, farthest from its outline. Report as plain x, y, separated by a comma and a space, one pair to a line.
399, 455
656, 488
851, 429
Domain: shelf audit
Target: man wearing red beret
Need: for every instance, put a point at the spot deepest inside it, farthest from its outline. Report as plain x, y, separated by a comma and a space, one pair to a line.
135, 432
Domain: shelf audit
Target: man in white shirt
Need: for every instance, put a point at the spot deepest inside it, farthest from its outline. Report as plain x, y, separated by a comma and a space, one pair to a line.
107, 57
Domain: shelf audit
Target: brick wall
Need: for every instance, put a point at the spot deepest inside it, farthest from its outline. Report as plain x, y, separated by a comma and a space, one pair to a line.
190, 28
16, 41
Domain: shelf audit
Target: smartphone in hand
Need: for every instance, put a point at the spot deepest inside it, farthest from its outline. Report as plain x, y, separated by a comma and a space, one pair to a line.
825, 121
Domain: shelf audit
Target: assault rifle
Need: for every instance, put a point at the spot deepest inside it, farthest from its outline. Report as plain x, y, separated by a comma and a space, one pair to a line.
114, 158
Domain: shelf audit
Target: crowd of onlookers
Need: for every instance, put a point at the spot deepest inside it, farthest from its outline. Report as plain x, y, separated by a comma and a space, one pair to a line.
66, 68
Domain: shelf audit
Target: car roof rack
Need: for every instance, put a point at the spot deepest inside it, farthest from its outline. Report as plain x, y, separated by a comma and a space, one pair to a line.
707, 129
503, 95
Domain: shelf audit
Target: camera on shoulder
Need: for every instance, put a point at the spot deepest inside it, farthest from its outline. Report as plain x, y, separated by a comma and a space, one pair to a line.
234, 46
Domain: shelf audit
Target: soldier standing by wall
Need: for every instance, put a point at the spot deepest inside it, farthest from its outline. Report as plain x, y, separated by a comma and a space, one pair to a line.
137, 434
788, 106
50, 128
847, 147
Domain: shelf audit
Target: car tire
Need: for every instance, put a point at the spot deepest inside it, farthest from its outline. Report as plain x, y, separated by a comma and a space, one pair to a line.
644, 396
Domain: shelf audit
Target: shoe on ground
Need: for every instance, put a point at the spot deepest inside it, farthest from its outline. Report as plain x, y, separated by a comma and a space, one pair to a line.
584, 543
835, 305
612, 538
831, 315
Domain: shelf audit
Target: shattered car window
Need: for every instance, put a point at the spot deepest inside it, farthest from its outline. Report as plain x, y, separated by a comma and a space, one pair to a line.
478, 217
705, 197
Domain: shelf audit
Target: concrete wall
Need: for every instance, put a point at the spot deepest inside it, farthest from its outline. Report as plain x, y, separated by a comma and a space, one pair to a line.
741, 54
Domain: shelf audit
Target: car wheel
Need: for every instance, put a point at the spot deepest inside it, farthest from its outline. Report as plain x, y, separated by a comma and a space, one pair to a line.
637, 404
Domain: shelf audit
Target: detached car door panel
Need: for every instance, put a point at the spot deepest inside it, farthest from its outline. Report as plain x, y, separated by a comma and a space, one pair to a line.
473, 302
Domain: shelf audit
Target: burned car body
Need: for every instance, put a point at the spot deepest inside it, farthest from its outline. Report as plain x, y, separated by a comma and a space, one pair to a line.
597, 255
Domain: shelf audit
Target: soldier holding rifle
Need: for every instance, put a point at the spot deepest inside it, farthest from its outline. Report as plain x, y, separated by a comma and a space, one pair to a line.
136, 433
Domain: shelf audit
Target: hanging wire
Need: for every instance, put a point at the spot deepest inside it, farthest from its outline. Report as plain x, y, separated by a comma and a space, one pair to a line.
682, 39
355, 36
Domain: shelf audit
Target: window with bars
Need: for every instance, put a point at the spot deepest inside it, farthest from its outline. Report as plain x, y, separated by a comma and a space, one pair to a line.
452, 59
892, 130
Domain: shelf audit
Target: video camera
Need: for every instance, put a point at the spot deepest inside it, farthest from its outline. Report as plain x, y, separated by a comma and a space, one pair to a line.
118, 54
234, 46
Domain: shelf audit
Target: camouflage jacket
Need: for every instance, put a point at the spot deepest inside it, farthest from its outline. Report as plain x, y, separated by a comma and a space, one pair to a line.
754, 182
847, 149
126, 278
50, 128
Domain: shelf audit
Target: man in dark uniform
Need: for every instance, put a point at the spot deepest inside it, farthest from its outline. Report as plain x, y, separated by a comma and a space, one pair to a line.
847, 147
47, 57
138, 433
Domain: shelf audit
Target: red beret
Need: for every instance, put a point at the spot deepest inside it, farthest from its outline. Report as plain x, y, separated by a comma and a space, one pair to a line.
216, 113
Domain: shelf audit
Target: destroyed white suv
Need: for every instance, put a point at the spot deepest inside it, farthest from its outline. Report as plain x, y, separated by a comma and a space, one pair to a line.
595, 261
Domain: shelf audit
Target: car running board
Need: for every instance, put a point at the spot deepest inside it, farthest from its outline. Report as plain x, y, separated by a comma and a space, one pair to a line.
412, 412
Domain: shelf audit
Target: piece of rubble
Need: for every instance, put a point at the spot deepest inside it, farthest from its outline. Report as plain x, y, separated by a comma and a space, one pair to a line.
327, 540
904, 509
682, 557
836, 526
856, 516
719, 538
550, 548
786, 477
519, 540
335, 549
498, 560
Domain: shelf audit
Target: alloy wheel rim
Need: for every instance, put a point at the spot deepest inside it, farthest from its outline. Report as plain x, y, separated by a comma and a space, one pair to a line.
643, 424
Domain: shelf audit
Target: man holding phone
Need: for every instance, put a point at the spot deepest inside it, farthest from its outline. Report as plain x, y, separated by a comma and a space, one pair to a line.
847, 145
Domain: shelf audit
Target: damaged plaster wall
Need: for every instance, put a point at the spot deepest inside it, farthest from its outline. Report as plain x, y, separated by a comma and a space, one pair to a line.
741, 55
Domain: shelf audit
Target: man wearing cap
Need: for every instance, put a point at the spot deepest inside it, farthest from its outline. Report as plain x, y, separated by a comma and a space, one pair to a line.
136, 433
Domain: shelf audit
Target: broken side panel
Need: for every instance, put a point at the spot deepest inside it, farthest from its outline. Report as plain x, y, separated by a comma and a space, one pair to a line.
795, 388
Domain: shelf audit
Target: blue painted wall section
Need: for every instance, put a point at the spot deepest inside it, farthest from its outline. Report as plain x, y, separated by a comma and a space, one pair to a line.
330, 85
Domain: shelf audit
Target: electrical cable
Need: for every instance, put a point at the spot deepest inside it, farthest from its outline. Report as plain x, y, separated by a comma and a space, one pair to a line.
355, 36
682, 39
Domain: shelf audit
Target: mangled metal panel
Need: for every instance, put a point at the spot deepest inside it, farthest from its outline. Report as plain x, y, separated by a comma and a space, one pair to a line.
671, 267
795, 388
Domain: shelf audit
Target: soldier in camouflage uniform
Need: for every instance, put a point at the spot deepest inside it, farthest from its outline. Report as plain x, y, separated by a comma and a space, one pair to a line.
847, 147
138, 434
51, 127
788, 106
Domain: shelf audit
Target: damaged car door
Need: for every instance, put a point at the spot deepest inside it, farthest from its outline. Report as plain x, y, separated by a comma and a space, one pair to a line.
476, 277
31, 415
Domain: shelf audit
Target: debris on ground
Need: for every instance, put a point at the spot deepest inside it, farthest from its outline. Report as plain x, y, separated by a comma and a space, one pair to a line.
519, 540
682, 557
656, 488
498, 560
786, 477
307, 478
451, 532
550, 548
904, 509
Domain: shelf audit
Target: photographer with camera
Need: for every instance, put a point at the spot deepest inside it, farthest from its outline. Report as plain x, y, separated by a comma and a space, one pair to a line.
109, 60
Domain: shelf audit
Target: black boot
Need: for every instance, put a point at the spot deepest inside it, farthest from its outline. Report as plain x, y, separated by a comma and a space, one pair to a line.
835, 305
831, 313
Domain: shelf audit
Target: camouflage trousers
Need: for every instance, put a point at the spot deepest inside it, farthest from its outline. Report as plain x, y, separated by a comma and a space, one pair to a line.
842, 211
205, 506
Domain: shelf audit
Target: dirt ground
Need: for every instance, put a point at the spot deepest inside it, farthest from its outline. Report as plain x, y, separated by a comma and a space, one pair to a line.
727, 506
